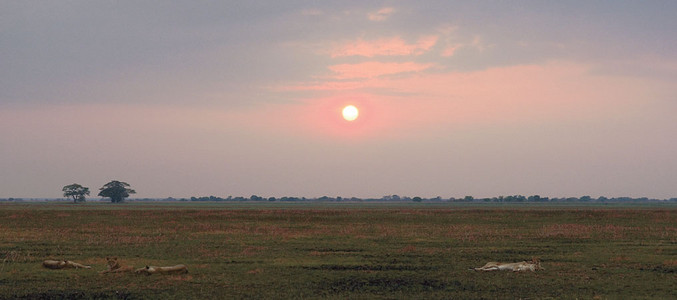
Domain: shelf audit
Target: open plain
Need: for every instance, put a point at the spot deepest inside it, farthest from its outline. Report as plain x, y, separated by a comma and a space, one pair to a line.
339, 250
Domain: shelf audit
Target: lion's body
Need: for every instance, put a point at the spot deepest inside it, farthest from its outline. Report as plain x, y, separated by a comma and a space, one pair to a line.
114, 266
148, 270
63, 264
515, 267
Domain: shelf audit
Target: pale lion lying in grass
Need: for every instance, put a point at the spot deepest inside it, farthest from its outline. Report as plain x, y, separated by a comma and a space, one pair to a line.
114, 266
63, 264
148, 270
522, 266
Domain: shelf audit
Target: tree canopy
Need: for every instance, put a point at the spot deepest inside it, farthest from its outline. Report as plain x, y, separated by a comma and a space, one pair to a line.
75, 191
117, 191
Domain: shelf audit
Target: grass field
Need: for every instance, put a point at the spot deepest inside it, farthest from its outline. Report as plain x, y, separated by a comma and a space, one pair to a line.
339, 251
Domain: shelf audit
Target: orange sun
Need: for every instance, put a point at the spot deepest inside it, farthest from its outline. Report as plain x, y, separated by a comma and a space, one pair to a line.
350, 113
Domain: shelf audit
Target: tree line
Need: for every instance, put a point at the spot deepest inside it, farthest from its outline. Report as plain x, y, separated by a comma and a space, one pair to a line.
396, 198
117, 191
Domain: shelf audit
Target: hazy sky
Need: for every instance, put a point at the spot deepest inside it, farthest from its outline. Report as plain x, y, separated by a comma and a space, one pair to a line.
198, 98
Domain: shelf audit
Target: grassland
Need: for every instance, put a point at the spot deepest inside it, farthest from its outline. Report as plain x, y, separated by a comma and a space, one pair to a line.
339, 251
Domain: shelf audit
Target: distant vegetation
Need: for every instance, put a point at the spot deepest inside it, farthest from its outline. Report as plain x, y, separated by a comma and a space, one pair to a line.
76, 192
117, 191
396, 198
119, 186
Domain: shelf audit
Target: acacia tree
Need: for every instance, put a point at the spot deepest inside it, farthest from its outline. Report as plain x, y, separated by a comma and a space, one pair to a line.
76, 191
117, 191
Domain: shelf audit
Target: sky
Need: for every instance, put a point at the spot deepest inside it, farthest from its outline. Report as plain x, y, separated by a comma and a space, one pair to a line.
241, 98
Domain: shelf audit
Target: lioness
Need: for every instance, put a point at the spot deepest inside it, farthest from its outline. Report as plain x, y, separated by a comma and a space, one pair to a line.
148, 270
522, 266
115, 267
63, 264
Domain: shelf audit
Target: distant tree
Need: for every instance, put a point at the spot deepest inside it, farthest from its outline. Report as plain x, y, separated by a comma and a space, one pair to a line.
75, 191
468, 198
537, 198
514, 198
417, 199
117, 191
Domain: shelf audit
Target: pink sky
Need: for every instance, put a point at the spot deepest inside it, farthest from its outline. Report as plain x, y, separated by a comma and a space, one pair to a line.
528, 102
394, 46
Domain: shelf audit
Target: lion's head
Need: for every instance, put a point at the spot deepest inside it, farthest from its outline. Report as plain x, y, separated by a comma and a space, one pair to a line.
537, 263
112, 263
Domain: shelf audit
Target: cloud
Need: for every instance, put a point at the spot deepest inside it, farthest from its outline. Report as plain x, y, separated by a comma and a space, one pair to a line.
394, 46
375, 69
381, 15
479, 44
312, 12
449, 51
323, 86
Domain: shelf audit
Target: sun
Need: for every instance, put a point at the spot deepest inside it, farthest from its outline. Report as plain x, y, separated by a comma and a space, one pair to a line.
350, 113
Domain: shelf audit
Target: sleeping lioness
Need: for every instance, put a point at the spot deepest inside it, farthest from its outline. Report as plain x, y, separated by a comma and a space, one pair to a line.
115, 267
149, 270
63, 264
522, 266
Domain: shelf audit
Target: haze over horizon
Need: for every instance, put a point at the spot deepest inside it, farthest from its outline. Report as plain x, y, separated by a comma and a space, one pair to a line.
550, 98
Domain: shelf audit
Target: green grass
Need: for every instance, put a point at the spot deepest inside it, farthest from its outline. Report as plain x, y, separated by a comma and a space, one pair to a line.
337, 251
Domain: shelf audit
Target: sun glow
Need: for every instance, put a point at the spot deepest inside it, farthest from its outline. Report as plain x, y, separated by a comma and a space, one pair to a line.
350, 113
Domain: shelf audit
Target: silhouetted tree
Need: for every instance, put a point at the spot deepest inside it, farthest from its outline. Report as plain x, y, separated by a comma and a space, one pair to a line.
76, 191
117, 191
